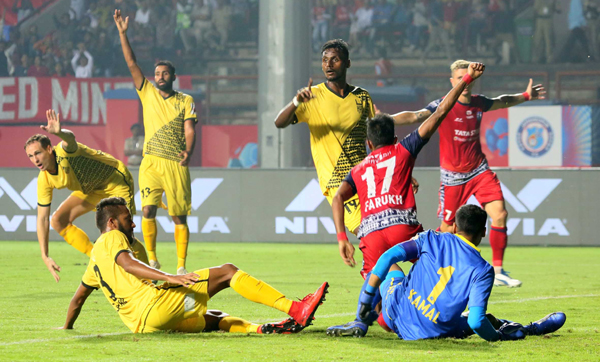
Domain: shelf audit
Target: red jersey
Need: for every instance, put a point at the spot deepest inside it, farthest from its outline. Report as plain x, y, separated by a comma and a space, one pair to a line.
460, 148
383, 184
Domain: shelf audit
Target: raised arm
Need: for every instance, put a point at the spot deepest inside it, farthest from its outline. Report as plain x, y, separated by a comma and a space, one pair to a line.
68, 138
432, 123
134, 69
344, 193
287, 115
508, 100
409, 117
75, 306
43, 231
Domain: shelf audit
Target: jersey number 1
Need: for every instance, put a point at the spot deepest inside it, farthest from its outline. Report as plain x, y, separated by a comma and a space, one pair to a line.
369, 176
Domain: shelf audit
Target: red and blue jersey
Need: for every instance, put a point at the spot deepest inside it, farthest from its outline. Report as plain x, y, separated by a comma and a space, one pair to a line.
449, 275
383, 184
461, 157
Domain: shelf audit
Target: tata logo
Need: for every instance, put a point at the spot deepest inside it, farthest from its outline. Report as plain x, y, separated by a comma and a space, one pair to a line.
308, 200
202, 188
527, 201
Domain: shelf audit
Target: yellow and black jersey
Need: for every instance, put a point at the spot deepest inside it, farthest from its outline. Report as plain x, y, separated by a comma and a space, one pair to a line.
85, 170
338, 131
163, 121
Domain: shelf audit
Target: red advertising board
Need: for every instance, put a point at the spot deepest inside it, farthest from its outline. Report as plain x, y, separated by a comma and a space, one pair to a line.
230, 146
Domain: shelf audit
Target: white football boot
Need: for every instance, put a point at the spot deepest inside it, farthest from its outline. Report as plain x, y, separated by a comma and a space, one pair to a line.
503, 280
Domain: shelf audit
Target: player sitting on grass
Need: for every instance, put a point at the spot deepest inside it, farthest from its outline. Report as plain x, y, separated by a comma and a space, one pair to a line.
450, 274
91, 174
181, 303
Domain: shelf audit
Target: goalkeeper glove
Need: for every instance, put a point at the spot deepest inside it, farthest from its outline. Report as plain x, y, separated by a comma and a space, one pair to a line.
511, 331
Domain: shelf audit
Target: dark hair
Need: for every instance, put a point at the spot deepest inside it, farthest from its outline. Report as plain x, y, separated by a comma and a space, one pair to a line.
471, 219
380, 130
168, 64
106, 209
135, 125
42, 139
338, 44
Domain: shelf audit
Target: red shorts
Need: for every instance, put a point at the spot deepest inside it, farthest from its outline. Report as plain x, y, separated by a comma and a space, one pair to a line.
380, 241
485, 187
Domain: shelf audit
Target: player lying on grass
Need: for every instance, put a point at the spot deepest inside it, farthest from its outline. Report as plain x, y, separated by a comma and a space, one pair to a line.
382, 182
449, 276
92, 175
181, 303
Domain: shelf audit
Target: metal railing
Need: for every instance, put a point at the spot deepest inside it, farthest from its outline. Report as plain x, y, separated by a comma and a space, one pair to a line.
585, 82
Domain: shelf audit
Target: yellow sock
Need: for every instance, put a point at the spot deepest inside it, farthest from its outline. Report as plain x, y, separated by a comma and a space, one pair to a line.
259, 292
149, 232
237, 325
77, 238
182, 237
139, 251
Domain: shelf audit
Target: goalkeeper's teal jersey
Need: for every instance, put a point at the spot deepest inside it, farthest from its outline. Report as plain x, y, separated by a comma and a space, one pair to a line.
449, 275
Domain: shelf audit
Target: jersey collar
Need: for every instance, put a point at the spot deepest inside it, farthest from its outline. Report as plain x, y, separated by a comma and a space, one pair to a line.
468, 242
348, 86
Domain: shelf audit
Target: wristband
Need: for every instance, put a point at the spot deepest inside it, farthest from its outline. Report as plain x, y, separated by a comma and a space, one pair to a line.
468, 79
342, 236
295, 101
526, 96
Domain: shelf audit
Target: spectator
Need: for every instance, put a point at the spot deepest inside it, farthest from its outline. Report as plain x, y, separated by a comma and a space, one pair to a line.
592, 14
165, 34
22, 69
360, 22
542, 37
31, 37
37, 69
383, 68
382, 16
201, 27
341, 22
320, 23
3, 60
102, 11
503, 42
134, 146
577, 27
81, 29
23, 8
78, 8
438, 37
65, 29
104, 56
222, 22
419, 25
82, 62
142, 15
59, 71
477, 23
401, 20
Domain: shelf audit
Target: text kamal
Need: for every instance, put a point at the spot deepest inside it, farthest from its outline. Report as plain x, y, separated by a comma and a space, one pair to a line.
383, 200
423, 305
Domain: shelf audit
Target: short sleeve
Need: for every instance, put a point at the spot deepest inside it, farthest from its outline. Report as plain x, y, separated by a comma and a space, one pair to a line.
44, 190
145, 92
485, 103
190, 109
414, 143
89, 279
482, 288
349, 179
117, 244
303, 113
432, 107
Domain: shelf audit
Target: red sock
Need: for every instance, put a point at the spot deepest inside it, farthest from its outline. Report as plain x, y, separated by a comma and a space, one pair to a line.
498, 239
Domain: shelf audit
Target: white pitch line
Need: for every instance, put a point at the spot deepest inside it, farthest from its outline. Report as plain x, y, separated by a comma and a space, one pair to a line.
30, 341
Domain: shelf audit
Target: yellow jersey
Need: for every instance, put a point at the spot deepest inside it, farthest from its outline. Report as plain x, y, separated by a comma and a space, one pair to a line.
84, 170
338, 131
126, 293
163, 121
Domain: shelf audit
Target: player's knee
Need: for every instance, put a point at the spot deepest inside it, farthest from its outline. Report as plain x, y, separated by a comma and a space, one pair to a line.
149, 211
228, 270
499, 218
59, 221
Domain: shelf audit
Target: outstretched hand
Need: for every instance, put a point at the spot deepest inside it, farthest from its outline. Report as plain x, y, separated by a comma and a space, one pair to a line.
475, 70
53, 126
122, 25
536, 91
305, 94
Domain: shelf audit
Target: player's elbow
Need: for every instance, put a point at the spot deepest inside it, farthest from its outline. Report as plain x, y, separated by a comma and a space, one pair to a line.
279, 123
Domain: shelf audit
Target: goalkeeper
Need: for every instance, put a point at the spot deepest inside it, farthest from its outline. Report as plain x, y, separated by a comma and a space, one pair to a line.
449, 275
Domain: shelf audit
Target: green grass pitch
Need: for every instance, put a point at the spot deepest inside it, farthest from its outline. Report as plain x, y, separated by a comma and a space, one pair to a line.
31, 304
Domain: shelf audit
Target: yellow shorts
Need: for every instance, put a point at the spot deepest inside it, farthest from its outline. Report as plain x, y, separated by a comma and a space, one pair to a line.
352, 216
158, 175
178, 308
121, 185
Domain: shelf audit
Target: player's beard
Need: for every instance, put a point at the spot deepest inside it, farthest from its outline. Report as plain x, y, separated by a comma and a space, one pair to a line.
167, 86
128, 233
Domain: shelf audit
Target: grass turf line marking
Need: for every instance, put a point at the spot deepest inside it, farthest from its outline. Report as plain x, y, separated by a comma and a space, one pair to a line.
28, 341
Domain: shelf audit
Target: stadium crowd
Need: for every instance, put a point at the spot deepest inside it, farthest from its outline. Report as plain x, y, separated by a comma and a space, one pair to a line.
84, 43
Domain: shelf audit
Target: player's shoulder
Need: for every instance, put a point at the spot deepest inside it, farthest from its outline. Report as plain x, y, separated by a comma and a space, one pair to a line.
358, 91
184, 96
